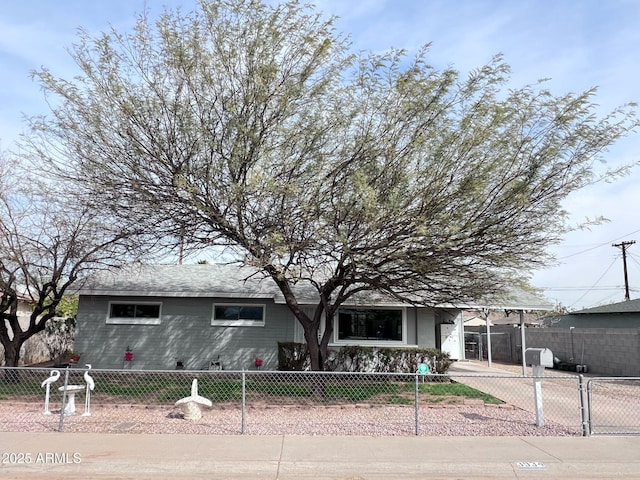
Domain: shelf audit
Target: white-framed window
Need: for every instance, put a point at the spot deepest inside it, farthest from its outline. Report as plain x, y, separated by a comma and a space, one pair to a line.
238, 315
134, 313
370, 325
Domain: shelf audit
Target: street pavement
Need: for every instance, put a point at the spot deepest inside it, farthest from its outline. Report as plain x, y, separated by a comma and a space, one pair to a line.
71, 456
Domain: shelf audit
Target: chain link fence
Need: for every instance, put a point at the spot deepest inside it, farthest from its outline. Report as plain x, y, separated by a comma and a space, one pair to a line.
614, 405
305, 403
563, 402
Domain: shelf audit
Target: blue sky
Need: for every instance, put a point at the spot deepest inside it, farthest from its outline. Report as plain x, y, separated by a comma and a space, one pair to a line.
576, 43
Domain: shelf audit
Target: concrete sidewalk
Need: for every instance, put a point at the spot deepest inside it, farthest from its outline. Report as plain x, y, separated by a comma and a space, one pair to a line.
73, 456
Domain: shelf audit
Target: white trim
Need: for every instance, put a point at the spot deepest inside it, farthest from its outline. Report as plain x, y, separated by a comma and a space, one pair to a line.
376, 343
133, 321
239, 322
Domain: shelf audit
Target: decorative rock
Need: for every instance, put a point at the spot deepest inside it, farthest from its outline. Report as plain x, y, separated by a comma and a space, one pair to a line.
191, 405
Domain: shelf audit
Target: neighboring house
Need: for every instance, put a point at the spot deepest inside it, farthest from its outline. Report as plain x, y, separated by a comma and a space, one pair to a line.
616, 315
187, 316
473, 318
24, 310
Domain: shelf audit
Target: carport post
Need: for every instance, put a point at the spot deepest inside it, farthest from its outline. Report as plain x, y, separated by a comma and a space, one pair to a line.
486, 318
522, 342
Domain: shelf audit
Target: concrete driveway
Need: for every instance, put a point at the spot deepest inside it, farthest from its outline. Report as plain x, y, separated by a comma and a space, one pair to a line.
613, 406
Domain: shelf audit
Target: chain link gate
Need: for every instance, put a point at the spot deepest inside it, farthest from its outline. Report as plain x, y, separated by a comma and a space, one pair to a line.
613, 405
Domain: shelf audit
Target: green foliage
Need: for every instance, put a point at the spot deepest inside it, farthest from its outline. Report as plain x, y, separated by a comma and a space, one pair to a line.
278, 389
458, 390
59, 333
220, 390
353, 358
26, 389
68, 306
394, 360
293, 356
360, 392
164, 390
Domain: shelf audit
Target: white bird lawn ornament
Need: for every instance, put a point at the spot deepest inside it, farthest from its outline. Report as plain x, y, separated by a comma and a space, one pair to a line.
54, 375
90, 386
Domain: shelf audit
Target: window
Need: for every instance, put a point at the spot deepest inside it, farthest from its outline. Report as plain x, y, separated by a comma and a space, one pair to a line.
370, 325
142, 313
235, 315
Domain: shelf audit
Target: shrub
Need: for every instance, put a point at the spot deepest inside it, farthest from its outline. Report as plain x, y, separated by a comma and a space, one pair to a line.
59, 333
352, 358
392, 360
293, 356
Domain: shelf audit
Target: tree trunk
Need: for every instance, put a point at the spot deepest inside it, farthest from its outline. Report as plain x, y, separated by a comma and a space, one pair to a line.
318, 346
315, 352
11, 358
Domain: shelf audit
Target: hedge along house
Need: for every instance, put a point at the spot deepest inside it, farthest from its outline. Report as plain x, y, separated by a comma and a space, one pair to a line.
193, 316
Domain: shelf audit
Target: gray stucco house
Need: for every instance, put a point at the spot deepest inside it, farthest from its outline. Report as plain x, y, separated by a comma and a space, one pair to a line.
188, 316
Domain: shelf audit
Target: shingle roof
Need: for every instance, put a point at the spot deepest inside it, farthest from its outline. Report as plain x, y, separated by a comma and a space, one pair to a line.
628, 306
236, 281
201, 280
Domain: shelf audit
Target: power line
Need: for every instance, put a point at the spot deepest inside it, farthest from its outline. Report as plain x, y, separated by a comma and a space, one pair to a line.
580, 289
597, 246
594, 285
633, 257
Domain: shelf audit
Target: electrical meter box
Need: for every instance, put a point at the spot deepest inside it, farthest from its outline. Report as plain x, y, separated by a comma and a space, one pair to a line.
539, 357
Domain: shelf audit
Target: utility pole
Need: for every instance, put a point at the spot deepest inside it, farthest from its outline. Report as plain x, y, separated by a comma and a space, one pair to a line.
623, 246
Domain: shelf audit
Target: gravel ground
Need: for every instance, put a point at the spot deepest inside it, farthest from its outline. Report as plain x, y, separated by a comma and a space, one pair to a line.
452, 420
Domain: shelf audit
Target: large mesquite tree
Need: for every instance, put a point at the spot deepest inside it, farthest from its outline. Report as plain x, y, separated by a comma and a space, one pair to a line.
253, 127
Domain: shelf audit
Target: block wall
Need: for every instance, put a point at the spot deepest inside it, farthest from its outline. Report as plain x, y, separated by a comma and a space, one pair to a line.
606, 351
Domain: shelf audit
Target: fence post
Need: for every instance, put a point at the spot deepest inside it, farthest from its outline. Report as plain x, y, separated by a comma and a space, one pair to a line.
538, 372
583, 409
590, 405
416, 402
64, 399
244, 393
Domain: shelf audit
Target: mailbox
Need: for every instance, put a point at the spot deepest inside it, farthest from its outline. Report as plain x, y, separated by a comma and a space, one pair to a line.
539, 357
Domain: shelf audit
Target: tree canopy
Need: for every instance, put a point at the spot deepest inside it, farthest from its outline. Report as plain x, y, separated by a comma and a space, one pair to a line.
255, 128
